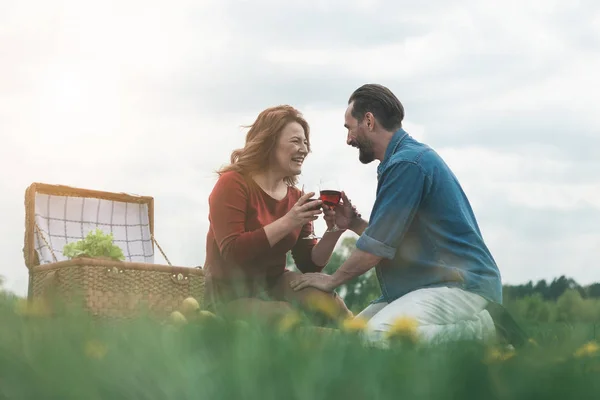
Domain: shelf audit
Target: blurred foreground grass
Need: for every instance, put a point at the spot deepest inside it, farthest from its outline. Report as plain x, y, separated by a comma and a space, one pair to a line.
73, 357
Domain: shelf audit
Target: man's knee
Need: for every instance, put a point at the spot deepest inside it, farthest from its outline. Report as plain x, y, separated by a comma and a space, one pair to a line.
421, 315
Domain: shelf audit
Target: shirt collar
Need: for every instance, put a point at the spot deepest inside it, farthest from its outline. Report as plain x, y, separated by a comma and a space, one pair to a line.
397, 138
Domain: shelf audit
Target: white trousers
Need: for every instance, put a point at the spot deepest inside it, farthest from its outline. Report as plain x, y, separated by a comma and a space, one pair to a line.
443, 314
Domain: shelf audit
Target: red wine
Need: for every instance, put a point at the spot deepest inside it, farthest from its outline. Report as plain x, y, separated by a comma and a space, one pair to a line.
331, 197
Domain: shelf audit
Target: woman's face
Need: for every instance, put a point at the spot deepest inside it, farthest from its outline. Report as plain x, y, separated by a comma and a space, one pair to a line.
290, 150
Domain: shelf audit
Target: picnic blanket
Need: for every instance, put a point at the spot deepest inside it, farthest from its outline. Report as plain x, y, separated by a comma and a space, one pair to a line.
65, 219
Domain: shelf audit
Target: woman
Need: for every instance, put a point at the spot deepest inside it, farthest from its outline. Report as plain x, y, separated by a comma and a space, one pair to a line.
257, 215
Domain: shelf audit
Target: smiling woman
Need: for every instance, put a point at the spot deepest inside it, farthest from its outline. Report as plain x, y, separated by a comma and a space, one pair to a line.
257, 215
279, 132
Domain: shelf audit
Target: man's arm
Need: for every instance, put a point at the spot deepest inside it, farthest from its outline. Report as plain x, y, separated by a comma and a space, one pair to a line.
358, 226
402, 187
401, 191
357, 264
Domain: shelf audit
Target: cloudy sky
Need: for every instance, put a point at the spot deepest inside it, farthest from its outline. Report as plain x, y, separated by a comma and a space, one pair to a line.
148, 97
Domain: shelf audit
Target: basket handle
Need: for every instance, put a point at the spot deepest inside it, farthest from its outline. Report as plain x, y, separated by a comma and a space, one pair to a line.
37, 228
160, 249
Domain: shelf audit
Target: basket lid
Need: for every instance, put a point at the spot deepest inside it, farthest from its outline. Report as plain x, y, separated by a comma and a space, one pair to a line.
56, 215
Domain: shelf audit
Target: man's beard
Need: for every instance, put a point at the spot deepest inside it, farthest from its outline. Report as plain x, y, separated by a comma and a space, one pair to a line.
365, 152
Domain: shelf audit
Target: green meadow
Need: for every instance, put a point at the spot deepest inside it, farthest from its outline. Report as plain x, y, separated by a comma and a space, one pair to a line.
72, 356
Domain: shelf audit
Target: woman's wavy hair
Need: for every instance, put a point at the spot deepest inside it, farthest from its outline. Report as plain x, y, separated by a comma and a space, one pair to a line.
262, 138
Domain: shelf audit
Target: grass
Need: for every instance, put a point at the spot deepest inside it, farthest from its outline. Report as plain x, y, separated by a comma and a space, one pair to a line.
75, 357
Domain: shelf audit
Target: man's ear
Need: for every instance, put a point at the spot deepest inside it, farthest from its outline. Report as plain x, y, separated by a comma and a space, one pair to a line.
370, 119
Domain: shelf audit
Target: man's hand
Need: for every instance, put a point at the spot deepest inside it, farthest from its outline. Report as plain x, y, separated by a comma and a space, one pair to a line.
317, 280
343, 214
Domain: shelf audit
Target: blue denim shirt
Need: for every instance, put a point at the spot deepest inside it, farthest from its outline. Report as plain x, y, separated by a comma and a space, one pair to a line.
424, 228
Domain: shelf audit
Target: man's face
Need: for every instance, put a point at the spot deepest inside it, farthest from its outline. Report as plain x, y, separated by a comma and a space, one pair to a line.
358, 136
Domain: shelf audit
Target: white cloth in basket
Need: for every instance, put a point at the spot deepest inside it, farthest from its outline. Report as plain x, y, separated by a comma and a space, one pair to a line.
66, 219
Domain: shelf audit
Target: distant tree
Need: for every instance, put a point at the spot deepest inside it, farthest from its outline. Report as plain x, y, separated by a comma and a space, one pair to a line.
525, 290
562, 284
541, 288
518, 291
569, 306
550, 291
593, 291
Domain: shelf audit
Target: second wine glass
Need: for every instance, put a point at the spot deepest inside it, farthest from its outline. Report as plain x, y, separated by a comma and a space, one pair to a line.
331, 195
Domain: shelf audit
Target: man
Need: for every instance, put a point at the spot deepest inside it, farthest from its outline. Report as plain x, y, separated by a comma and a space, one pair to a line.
422, 237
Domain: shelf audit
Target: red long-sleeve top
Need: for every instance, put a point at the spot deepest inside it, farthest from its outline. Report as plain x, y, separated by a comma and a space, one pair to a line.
236, 241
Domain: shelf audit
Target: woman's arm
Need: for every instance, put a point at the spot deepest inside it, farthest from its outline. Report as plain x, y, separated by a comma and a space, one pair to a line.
299, 215
302, 252
321, 253
313, 256
228, 202
227, 214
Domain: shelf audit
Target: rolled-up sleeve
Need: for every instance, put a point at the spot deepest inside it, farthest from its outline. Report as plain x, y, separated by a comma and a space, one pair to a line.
399, 194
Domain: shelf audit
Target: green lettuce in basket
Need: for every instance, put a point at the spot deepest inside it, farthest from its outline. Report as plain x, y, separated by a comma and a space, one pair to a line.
96, 244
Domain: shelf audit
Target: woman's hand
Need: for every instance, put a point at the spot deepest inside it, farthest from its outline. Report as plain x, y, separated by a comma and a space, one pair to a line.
304, 211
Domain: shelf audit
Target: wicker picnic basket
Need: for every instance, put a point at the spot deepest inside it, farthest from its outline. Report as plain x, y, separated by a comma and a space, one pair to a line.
56, 215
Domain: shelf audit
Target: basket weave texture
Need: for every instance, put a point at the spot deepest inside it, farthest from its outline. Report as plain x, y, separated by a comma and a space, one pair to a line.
102, 287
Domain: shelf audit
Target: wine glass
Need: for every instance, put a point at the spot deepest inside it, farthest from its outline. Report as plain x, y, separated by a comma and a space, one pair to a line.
315, 190
331, 194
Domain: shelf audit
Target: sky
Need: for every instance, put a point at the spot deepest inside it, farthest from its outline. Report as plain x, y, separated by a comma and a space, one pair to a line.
150, 97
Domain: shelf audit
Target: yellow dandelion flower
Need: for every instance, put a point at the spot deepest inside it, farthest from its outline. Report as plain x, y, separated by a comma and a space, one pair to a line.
289, 321
404, 328
497, 355
95, 349
323, 303
356, 324
587, 349
32, 308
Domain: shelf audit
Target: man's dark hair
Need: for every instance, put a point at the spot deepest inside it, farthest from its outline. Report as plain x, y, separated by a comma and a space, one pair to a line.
381, 102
